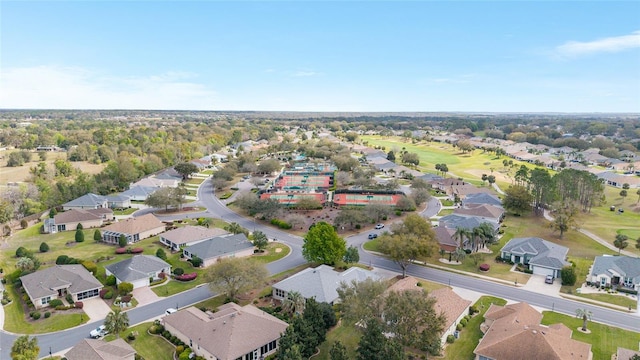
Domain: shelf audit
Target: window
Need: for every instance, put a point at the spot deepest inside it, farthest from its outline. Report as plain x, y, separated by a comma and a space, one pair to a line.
45, 300
281, 293
88, 294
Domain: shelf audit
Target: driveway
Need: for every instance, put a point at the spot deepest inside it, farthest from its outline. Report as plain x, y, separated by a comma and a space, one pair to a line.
95, 308
536, 284
144, 295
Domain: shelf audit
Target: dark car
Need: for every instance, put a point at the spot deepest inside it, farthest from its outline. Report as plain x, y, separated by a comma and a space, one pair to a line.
373, 236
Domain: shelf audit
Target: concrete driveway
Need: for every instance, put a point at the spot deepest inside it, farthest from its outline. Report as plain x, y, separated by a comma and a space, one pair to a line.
144, 295
536, 284
95, 308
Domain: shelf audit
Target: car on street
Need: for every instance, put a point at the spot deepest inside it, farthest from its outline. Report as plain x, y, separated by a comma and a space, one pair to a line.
170, 311
98, 332
373, 236
379, 226
548, 279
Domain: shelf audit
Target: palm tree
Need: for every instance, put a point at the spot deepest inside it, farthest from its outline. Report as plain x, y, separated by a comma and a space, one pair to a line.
460, 235
620, 242
585, 315
460, 254
294, 303
486, 233
116, 322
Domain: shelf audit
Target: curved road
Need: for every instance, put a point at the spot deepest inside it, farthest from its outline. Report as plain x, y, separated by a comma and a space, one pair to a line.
65, 339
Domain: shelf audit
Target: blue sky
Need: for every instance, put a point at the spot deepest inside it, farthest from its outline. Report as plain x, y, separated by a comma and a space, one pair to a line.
488, 56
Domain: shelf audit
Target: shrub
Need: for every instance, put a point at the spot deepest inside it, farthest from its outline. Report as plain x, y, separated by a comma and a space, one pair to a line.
179, 349
21, 252
136, 250
160, 253
178, 271
463, 322
484, 267
47, 314
627, 291
528, 271
162, 275
55, 302
90, 266
459, 327
568, 275
196, 261
398, 212
79, 304
451, 339
79, 235
166, 334
24, 223
131, 336
35, 315
122, 241
108, 295
187, 277
121, 250
125, 288
473, 310
281, 224
44, 247
467, 251
126, 298
103, 292
358, 226
79, 226
97, 236
111, 280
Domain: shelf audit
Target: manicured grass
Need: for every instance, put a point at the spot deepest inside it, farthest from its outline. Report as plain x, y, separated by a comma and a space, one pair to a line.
128, 211
348, 335
14, 318
270, 253
148, 346
621, 300
194, 181
372, 245
445, 212
462, 348
604, 339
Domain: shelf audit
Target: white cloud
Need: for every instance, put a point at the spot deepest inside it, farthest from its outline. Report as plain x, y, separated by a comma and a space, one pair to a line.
304, 73
55, 87
610, 44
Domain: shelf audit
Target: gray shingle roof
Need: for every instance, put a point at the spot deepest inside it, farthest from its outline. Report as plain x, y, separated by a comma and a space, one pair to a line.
219, 246
543, 253
482, 198
88, 200
322, 282
46, 282
93, 349
189, 234
454, 221
139, 190
137, 267
623, 265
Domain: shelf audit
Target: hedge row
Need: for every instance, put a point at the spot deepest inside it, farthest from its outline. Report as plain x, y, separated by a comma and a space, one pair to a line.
187, 277
281, 224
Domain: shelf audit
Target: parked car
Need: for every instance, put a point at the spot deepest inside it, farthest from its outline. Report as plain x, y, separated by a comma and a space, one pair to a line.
98, 332
548, 279
379, 226
373, 236
170, 311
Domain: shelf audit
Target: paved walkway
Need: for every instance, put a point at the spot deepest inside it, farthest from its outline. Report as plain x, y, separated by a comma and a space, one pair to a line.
595, 237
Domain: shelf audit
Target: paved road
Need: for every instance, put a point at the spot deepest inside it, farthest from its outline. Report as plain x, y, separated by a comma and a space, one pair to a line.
65, 339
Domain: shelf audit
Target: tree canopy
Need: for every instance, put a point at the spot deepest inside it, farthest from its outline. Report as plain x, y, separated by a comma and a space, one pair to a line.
25, 348
186, 169
234, 276
322, 244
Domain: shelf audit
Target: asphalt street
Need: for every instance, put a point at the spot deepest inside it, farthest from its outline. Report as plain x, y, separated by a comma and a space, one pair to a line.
215, 208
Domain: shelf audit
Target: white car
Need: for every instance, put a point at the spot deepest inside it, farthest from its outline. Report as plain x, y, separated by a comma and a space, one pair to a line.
99, 332
170, 311
379, 226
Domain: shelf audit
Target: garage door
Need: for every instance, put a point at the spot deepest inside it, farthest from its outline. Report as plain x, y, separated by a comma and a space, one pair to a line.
538, 270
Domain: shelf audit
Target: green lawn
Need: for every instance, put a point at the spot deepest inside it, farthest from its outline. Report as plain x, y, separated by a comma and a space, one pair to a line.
348, 335
127, 211
604, 339
194, 181
14, 318
445, 212
462, 348
272, 254
620, 300
151, 347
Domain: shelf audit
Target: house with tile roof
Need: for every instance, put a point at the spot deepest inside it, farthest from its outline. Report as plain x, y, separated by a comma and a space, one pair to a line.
57, 281
134, 229
448, 303
183, 236
616, 271
88, 201
69, 220
140, 270
231, 333
541, 256
98, 349
220, 247
320, 283
514, 332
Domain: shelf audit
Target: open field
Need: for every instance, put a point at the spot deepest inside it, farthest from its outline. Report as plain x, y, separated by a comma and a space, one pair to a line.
604, 339
22, 173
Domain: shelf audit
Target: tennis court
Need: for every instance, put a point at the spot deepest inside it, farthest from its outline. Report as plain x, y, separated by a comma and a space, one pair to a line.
366, 199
